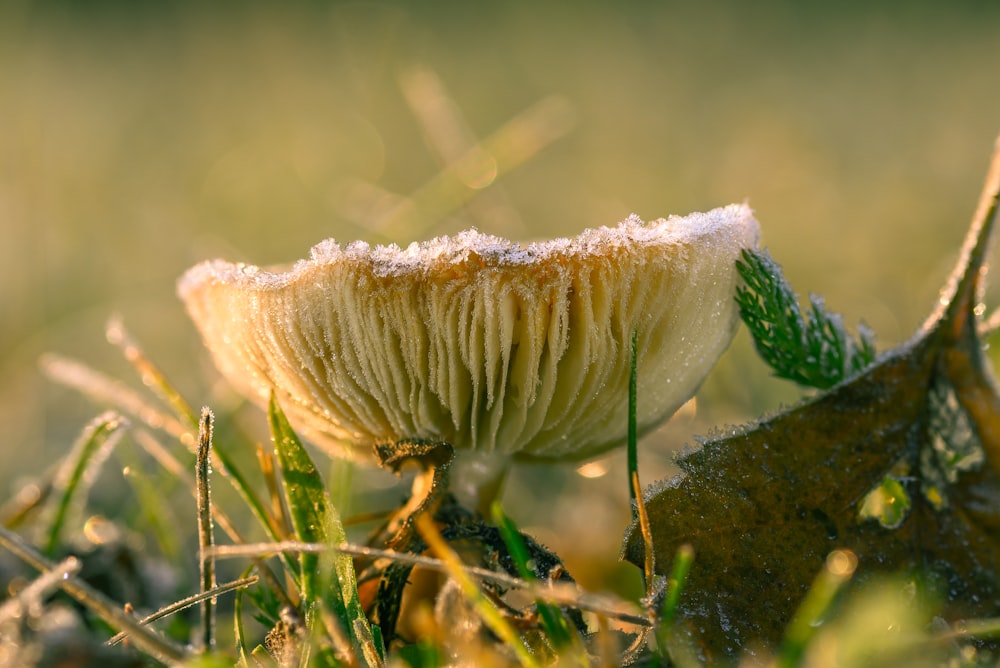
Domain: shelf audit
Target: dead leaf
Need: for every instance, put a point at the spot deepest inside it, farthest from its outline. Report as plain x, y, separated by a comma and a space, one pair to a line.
764, 506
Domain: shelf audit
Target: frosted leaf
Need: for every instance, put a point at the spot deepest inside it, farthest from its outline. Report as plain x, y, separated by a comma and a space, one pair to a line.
490, 345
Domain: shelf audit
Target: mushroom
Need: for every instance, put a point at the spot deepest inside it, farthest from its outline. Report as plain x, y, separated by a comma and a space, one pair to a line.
499, 349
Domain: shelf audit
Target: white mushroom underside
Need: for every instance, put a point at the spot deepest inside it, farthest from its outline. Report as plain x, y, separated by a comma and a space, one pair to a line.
479, 342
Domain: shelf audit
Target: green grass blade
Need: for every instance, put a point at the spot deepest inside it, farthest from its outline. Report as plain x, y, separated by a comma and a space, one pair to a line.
171, 465
633, 438
316, 521
553, 621
239, 633
242, 486
105, 390
639, 515
668, 609
378, 643
675, 585
152, 506
838, 570
81, 467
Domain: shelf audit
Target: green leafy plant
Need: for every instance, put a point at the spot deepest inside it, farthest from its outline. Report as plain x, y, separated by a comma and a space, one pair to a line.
329, 588
811, 348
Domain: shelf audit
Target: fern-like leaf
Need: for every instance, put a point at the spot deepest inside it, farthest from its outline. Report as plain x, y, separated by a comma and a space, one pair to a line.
811, 349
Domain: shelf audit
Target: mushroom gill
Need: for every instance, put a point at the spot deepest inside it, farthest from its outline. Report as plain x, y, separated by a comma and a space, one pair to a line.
491, 346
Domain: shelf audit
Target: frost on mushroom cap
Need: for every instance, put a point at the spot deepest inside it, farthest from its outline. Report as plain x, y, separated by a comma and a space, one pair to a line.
486, 344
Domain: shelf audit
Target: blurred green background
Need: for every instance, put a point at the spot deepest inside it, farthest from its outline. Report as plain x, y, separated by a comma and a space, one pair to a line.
138, 139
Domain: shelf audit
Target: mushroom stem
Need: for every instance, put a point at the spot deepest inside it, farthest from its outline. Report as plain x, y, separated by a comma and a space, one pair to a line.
490, 491
480, 478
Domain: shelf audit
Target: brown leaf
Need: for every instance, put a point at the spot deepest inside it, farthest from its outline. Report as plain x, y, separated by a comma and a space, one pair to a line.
762, 507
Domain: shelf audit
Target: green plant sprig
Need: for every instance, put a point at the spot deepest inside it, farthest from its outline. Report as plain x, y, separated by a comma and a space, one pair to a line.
813, 349
553, 621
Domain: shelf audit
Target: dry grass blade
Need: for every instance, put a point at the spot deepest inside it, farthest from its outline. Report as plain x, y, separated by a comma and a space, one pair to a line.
513, 144
972, 628
28, 499
450, 137
186, 603
989, 326
486, 609
102, 389
278, 521
150, 374
30, 595
155, 645
559, 593
206, 534
170, 463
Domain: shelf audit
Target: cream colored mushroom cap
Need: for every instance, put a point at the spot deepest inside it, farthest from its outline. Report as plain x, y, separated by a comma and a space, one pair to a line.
491, 346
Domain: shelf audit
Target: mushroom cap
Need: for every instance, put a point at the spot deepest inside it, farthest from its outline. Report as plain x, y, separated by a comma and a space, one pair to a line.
494, 347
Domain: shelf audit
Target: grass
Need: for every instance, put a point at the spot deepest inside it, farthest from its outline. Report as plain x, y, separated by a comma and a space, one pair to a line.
311, 602
307, 607
695, 136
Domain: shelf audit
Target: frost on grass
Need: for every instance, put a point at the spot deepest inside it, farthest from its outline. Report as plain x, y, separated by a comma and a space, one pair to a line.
492, 346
